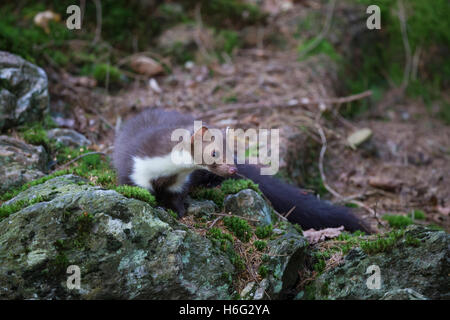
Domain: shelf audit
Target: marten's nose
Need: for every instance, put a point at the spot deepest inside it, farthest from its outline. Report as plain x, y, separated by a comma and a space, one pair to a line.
232, 170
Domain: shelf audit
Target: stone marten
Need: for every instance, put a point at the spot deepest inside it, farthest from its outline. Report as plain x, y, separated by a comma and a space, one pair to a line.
142, 157
145, 156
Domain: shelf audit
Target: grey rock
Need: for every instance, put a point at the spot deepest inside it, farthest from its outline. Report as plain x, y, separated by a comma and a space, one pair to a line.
201, 208
68, 137
285, 257
423, 268
125, 248
20, 163
403, 294
249, 203
23, 91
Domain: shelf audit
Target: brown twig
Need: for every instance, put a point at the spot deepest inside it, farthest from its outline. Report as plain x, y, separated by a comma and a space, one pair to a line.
286, 104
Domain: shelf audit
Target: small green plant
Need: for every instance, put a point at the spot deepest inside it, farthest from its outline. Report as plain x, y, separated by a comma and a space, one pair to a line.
213, 194
263, 271
418, 215
137, 193
240, 228
9, 209
36, 135
397, 221
260, 245
263, 232
383, 243
231, 186
225, 242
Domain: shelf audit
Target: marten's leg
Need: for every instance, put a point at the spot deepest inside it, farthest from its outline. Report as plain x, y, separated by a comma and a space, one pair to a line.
204, 178
170, 200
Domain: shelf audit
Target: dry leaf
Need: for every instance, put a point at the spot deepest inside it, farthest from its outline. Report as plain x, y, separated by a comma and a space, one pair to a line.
444, 210
42, 19
314, 236
358, 137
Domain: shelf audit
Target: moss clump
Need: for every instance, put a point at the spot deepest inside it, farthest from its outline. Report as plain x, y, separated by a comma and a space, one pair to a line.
383, 243
240, 228
418, 214
397, 221
232, 186
105, 73
12, 193
7, 210
260, 245
137, 193
225, 242
36, 135
263, 271
263, 232
215, 194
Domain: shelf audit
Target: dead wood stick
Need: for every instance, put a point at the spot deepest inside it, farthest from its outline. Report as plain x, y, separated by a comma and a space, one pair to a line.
287, 104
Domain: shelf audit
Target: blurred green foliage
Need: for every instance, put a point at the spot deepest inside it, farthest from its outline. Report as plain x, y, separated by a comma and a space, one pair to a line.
428, 28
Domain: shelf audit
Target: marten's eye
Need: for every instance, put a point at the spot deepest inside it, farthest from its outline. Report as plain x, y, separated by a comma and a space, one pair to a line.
215, 154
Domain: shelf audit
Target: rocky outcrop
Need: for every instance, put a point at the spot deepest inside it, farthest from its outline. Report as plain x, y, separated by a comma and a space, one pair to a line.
23, 91
68, 137
20, 163
124, 248
417, 268
248, 203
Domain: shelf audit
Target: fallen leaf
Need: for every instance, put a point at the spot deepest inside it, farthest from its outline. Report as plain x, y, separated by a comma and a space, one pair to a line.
358, 137
42, 19
314, 236
444, 210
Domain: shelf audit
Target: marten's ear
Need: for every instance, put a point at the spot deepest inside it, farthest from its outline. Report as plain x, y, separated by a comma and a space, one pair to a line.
199, 133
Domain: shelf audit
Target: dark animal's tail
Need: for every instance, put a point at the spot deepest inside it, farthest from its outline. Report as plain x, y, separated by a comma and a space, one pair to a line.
309, 211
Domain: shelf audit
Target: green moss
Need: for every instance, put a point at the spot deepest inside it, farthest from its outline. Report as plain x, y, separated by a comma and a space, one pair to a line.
213, 194
9, 209
397, 221
383, 243
12, 193
263, 271
263, 232
137, 193
231, 186
239, 227
260, 245
36, 135
104, 73
225, 242
418, 214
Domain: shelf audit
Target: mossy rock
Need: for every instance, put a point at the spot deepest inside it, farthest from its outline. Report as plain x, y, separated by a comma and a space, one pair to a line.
125, 248
419, 261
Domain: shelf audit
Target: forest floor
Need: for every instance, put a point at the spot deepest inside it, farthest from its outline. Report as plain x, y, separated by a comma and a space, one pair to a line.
404, 167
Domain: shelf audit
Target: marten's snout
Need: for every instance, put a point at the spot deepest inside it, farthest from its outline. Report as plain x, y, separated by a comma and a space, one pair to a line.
232, 170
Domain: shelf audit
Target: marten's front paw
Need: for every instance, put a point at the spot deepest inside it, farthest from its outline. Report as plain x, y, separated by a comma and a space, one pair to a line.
181, 211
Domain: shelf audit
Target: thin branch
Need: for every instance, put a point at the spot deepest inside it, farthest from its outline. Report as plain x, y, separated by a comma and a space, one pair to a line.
286, 104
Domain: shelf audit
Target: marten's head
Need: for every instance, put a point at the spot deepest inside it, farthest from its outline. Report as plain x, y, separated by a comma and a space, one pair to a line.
209, 151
